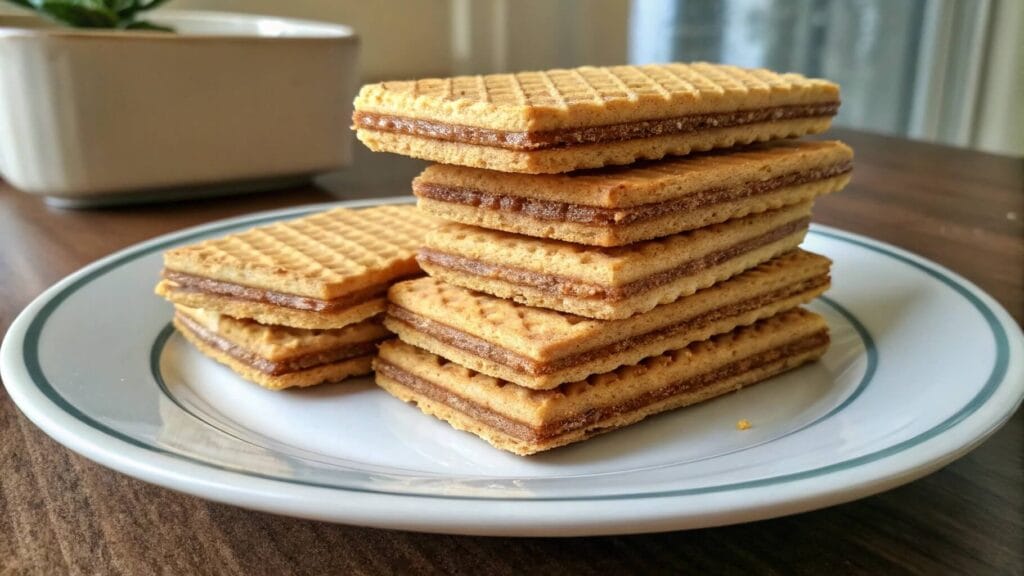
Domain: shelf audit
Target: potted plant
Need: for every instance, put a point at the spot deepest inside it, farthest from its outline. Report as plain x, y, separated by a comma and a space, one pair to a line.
121, 14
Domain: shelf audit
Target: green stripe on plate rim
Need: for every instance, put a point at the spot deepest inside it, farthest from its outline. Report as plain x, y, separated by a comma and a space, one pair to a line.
34, 369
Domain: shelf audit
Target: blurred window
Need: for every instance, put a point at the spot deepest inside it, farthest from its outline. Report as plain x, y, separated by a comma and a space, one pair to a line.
907, 67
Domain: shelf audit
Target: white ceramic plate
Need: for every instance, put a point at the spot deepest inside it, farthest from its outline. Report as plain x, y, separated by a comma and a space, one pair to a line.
923, 367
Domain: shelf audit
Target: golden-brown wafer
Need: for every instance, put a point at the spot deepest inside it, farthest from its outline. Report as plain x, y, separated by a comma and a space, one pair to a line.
622, 205
540, 348
279, 357
608, 283
526, 421
562, 120
326, 270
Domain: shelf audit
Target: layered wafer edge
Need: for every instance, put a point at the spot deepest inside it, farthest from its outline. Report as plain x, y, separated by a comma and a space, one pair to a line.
779, 285
526, 421
667, 276
545, 105
561, 120
586, 156
621, 206
322, 271
315, 363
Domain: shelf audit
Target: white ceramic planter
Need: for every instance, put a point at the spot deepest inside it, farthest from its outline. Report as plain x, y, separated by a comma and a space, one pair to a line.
230, 98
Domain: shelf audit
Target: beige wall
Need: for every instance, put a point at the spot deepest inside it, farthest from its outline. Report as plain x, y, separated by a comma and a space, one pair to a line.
399, 39
402, 39
1000, 122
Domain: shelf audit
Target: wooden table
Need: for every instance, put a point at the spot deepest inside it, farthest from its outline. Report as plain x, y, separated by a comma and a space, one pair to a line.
60, 513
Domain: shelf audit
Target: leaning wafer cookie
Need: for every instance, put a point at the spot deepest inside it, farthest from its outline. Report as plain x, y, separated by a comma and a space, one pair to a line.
622, 205
526, 421
563, 120
608, 283
326, 270
540, 348
279, 357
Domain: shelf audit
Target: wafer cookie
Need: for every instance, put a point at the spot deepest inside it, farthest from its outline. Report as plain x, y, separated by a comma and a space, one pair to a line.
526, 421
562, 120
326, 270
540, 349
608, 283
622, 205
279, 357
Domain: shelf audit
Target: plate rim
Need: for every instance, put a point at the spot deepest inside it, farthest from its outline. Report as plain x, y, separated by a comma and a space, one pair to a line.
181, 473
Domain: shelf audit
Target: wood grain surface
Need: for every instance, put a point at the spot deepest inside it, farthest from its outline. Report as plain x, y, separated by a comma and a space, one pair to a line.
60, 513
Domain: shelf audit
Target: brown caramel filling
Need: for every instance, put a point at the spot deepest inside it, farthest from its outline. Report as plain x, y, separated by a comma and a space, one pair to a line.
270, 367
191, 283
597, 216
588, 134
593, 416
567, 286
520, 363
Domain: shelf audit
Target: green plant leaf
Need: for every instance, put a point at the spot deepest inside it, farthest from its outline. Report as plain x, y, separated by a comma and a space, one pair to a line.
95, 13
150, 4
123, 8
80, 13
144, 25
129, 8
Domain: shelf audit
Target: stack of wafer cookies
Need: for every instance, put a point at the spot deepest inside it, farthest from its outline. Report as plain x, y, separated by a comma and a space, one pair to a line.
599, 262
297, 302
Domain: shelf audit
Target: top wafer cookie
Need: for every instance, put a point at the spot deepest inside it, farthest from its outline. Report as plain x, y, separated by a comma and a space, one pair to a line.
323, 256
327, 270
561, 120
534, 102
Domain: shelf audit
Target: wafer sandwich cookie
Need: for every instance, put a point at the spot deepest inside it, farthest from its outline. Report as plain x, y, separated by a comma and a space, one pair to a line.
608, 283
526, 421
540, 349
327, 270
563, 120
622, 205
279, 357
